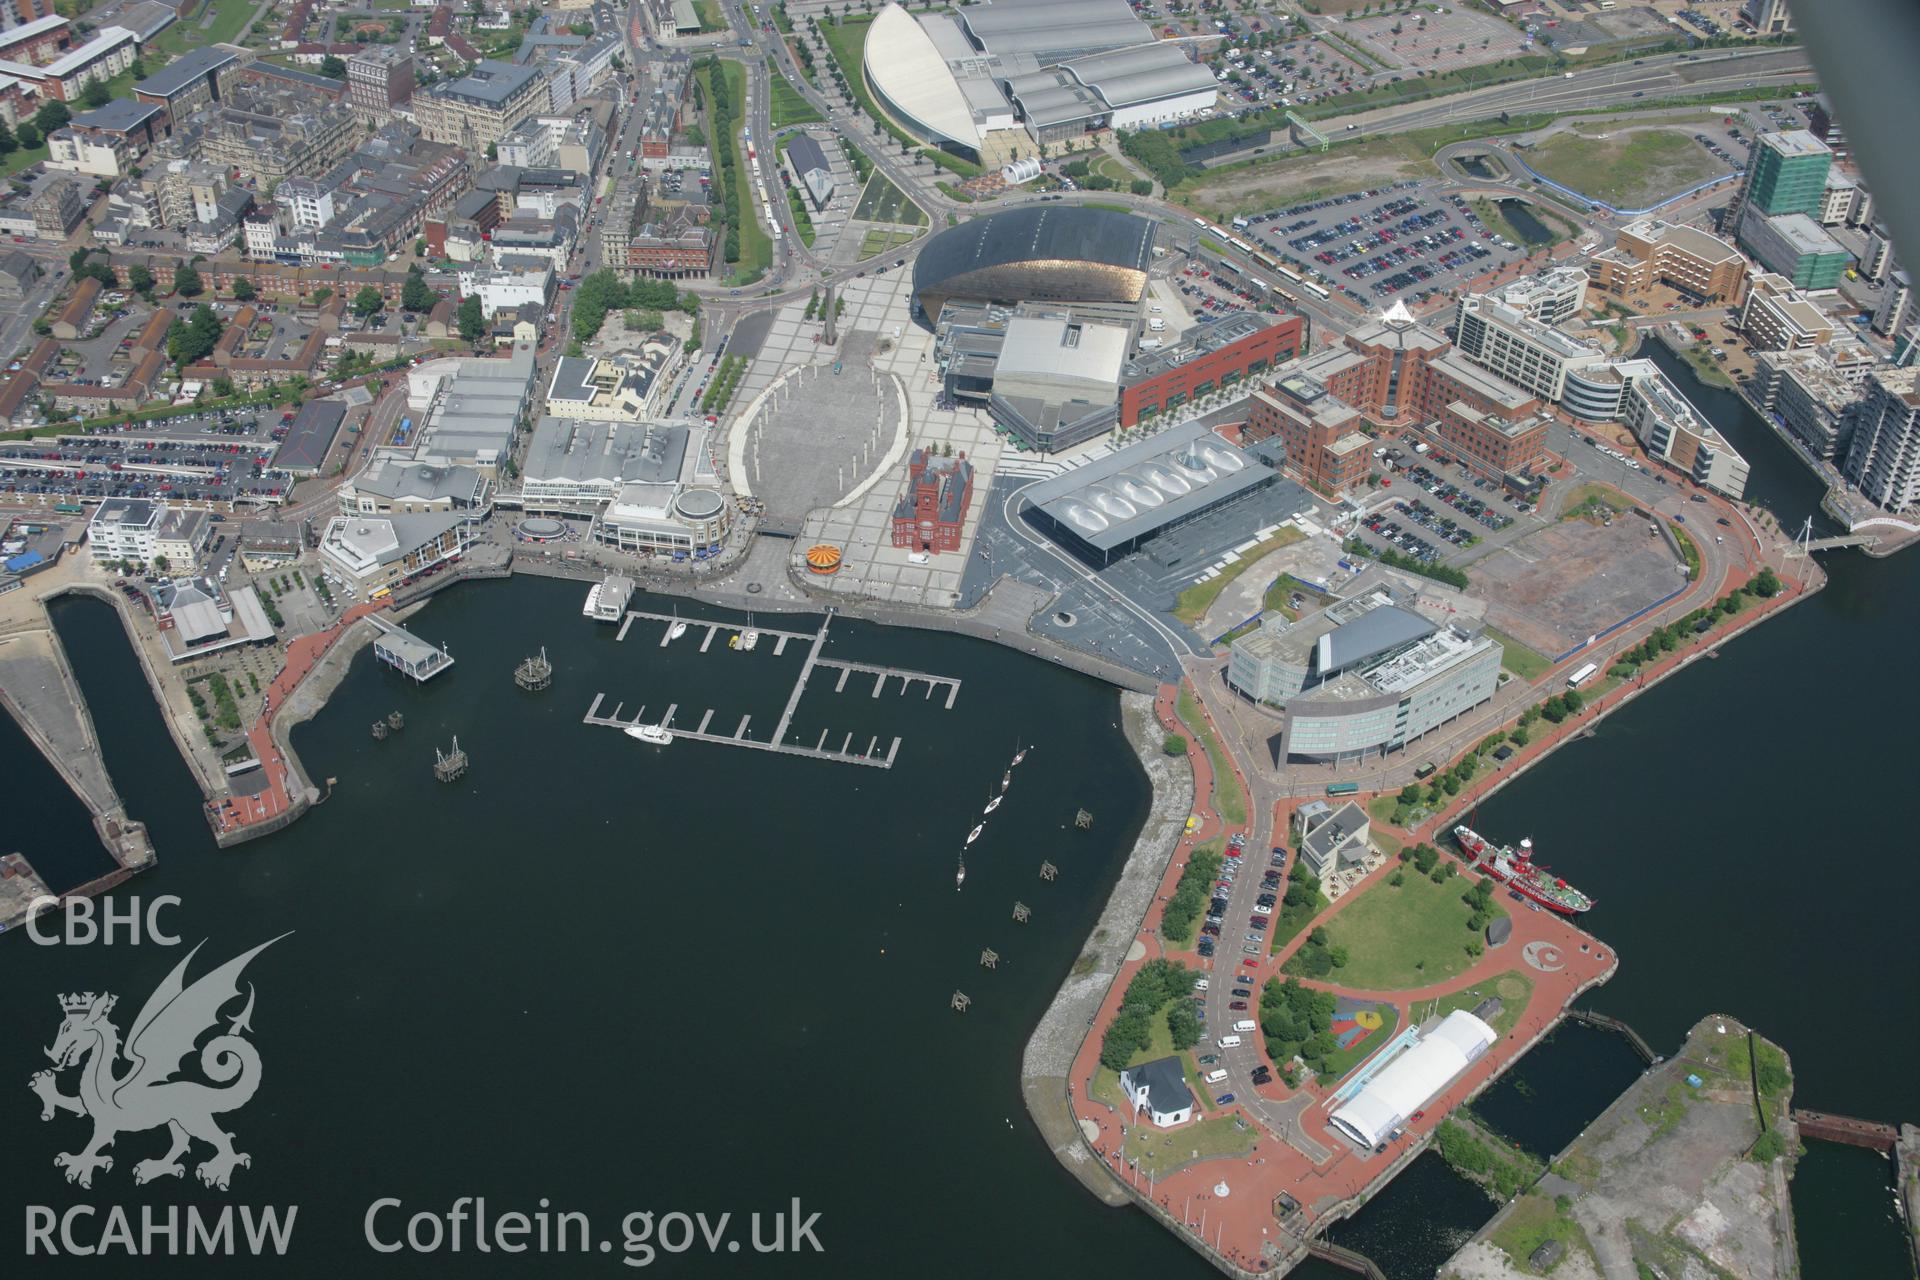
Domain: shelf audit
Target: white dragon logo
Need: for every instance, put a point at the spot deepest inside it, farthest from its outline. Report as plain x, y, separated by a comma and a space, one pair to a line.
146, 1097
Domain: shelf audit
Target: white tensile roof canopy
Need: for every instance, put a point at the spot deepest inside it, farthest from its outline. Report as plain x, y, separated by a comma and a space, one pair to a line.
1413, 1079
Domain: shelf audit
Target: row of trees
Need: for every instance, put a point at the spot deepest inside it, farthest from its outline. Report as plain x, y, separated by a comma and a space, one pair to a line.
1411, 564
1157, 982
728, 170
1190, 895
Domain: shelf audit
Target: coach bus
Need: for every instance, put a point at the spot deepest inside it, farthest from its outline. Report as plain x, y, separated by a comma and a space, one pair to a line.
1583, 675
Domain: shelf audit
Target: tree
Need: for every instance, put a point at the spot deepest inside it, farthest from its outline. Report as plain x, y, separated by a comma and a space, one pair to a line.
190, 342
472, 320
186, 281
368, 301
223, 386
333, 68
8, 143
243, 290
27, 136
1183, 1025
159, 562
53, 114
95, 95
1174, 745
415, 295
138, 69
1766, 584
141, 279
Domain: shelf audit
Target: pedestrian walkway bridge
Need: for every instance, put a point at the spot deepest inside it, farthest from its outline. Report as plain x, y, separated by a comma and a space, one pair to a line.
1836, 542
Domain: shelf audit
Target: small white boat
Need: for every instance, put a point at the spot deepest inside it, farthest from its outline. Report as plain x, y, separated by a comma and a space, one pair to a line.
748, 639
992, 805
975, 833
676, 631
1021, 754
652, 734
960, 877
1006, 780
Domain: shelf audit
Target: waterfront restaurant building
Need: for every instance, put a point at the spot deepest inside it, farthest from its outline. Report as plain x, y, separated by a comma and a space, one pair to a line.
373, 552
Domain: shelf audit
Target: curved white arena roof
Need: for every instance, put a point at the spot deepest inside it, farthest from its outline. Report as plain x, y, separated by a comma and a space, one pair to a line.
1412, 1080
902, 63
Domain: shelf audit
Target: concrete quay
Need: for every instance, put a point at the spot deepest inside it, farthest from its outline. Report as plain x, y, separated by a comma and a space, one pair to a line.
1664, 1178
1047, 1063
38, 689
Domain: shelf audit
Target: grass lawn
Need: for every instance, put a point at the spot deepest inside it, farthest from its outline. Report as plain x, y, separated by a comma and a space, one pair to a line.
1109, 167
1160, 1152
1193, 603
1229, 798
877, 242
881, 201
1345, 1060
788, 106
1518, 658
230, 19
1404, 937
1533, 1221
711, 19
1707, 367
1513, 987
22, 158
1287, 922
1627, 170
1595, 500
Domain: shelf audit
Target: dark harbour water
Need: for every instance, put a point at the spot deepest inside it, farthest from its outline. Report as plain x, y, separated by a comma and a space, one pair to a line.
712, 979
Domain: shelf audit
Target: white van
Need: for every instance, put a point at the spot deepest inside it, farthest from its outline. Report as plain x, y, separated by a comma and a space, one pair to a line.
1228, 1042
1246, 1025
1157, 323
1216, 1077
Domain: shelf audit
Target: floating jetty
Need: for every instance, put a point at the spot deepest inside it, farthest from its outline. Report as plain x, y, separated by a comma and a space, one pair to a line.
607, 600
844, 753
406, 652
534, 674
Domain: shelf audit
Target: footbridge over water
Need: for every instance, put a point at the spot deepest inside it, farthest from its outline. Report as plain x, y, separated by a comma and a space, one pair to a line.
1834, 543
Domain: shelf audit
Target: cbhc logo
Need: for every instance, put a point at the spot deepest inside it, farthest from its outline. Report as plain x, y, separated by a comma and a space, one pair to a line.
106, 920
